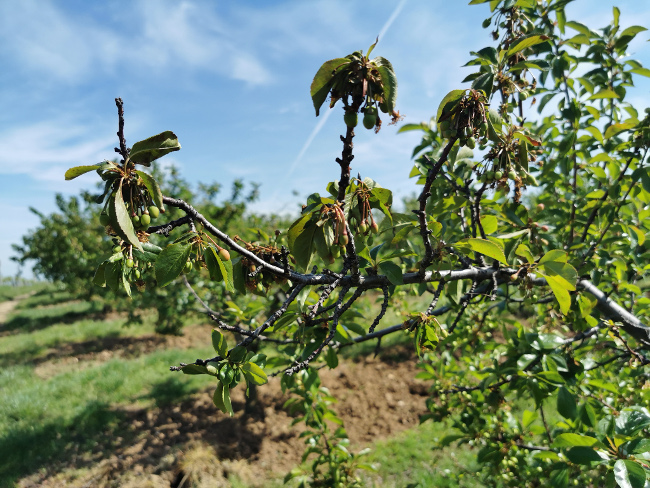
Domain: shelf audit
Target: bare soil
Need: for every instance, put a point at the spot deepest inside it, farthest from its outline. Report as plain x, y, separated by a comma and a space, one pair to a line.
193, 442
8, 306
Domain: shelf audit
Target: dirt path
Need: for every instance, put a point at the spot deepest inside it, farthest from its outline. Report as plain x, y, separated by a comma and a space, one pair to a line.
7, 307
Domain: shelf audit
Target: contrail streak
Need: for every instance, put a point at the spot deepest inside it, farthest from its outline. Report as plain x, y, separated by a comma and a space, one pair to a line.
326, 115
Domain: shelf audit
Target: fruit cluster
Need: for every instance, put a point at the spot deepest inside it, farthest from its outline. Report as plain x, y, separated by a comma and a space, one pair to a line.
197, 260
256, 280
467, 120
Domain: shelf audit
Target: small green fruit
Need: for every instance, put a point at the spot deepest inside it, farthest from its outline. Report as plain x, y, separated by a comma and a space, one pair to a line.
383, 106
351, 119
445, 125
336, 252
154, 211
136, 220
471, 143
137, 274
369, 120
344, 239
129, 263
104, 219
117, 249
224, 254
188, 266
498, 175
512, 174
145, 220
374, 228
363, 227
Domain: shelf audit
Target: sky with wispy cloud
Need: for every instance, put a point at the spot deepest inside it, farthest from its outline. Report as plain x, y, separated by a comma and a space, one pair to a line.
231, 79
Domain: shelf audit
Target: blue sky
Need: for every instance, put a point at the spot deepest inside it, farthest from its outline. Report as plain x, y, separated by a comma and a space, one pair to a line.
231, 79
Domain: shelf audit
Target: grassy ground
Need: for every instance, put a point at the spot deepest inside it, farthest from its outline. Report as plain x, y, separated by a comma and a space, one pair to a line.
10, 292
70, 378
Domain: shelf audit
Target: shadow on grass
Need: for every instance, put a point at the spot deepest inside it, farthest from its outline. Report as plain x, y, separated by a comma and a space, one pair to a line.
37, 319
125, 436
171, 390
45, 298
128, 347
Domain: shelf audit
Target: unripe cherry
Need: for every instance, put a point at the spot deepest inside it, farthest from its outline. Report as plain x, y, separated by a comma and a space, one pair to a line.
224, 254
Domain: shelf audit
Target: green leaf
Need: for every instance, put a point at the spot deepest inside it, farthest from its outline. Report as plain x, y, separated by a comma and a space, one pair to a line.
631, 420
559, 290
566, 404
255, 374
563, 273
124, 220
606, 93
113, 275
572, 440
72, 173
408, 127
388, 81
449, 102
300, 237
321, 85
99, 279
529, 416
560, 477
194, 369
554, 255
219, 343
486, 248
170, 262
638, 446
629, 474
524, 43
211, 258
218, 268
154, 190
145, 256
594, 131
641, 71
125, 282
148, 150
523, 251
331, 358
392, 271
489, 224
238, 354
614, 129
583, 455
448, 439
221, 399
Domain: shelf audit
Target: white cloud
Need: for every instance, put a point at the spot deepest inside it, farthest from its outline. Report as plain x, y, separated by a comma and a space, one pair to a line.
46, 149
158, 36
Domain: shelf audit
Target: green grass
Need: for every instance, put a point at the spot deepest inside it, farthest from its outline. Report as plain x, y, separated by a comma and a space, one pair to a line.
10, 292
34, 319
42, 422
44, 298
412, 458
82, 336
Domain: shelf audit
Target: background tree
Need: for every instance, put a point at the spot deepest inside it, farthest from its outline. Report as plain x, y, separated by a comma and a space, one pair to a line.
532, 251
